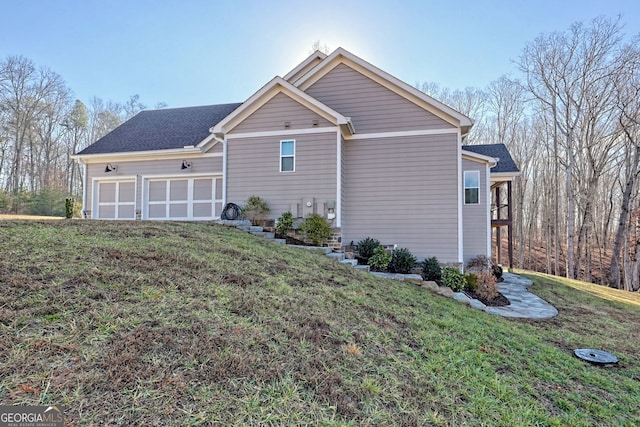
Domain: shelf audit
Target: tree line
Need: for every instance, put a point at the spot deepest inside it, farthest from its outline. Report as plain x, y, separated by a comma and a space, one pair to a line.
41, 126
571, 119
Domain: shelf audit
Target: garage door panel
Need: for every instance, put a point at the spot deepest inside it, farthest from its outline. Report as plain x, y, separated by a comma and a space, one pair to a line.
203, 189
107, 192
126, 211
202, 210
107, 212
157, 211
127, 192
178, 189
157, 191
179, 210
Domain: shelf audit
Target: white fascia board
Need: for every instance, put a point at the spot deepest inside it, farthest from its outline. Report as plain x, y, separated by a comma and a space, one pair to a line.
470, 155
403, 133
141, 155
390, 82
504, 176
275, 86
315, 56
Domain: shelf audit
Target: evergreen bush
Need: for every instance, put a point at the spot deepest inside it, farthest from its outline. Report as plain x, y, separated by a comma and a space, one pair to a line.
431, 270
402, 261
284, 224
366, 247
256, 209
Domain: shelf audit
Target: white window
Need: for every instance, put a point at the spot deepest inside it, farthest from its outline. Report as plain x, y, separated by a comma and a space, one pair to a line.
472, 187
287, 156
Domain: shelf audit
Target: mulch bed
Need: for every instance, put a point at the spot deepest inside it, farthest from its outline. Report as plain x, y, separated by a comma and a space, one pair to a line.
499, 301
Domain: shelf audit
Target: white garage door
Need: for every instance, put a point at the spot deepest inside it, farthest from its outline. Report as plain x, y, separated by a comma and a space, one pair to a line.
183, 198
116, 199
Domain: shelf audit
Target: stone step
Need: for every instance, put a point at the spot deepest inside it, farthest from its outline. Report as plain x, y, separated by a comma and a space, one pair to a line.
255, 228
339, 256
257, 233
351, 262
269, 235
280, 241
362, 267
246, 228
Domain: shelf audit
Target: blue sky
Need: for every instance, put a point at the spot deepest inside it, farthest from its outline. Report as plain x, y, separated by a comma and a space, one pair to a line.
196, 52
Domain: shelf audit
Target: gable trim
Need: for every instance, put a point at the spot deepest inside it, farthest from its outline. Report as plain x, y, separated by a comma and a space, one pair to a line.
401, 134
305, 66
266, 93
341, 56
469, 155
282, 132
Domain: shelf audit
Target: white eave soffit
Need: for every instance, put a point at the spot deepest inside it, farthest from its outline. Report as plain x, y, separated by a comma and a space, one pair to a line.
387, 80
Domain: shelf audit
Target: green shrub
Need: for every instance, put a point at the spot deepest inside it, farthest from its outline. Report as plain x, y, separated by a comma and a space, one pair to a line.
497, 271
431, 270
256, 209
284, 224
380, 259
453, 278
402, 261
366, 247
69, 207
472, 282
316, 229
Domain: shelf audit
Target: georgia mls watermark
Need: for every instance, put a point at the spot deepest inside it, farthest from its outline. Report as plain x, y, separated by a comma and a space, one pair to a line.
31, 416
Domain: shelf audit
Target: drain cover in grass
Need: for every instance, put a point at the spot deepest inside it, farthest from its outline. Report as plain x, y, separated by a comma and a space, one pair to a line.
598, 357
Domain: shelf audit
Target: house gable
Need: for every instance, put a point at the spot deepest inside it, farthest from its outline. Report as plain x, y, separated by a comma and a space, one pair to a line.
281, 113
411, 94
269, 91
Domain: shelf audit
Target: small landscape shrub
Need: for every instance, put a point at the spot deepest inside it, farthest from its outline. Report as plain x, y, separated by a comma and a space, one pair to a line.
316, 229
380, 259
487, 287
402, 261
472, 282
478, 264
256, 209
497, 271
366, 247
453, 278
284, 224
431, 270
69, 207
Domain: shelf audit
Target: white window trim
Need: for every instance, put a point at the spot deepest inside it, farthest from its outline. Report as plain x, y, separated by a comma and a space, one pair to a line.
288, 155
477, 174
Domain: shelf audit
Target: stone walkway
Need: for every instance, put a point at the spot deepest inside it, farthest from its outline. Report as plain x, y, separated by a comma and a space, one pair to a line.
524, 304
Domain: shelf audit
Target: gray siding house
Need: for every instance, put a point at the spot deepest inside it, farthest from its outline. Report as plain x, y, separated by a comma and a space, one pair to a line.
335, 136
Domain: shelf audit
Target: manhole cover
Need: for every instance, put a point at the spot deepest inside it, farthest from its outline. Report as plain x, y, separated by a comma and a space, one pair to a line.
596, 356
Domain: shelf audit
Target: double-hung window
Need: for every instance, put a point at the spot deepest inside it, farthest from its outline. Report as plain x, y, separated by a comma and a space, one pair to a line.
288, 156
471, 187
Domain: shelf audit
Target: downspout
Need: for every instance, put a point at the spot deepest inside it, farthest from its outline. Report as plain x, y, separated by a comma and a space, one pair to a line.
339, 179
224, 169
84, 187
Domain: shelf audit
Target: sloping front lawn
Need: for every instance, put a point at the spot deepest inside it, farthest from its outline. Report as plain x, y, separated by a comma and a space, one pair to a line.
192, 324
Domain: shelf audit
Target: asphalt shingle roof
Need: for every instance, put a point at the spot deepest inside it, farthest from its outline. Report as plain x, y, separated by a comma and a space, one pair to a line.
161, 129
499, 151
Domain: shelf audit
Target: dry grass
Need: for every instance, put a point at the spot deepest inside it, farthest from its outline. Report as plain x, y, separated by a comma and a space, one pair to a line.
139, 324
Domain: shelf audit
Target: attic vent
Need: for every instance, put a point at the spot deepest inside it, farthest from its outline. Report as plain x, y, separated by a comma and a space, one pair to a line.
314, 123
287, 125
